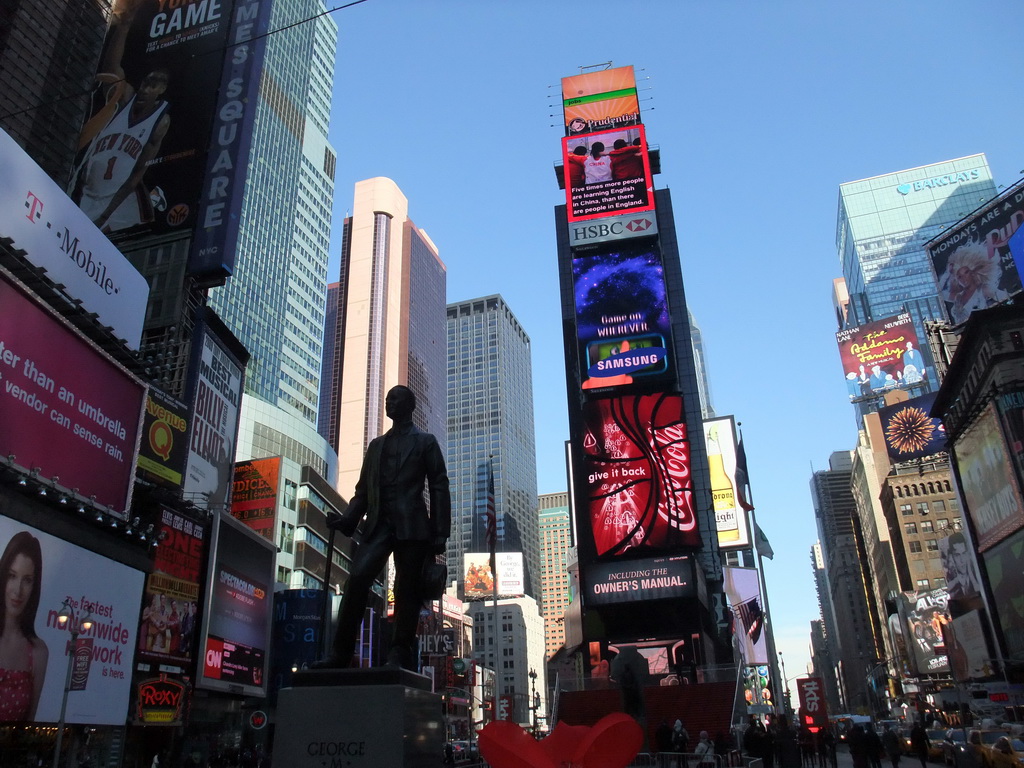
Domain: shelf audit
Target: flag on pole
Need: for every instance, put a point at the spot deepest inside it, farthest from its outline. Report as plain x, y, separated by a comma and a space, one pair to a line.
491, 518
764, 548
742, 479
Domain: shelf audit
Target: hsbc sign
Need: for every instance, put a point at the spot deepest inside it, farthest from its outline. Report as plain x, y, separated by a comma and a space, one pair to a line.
616, 228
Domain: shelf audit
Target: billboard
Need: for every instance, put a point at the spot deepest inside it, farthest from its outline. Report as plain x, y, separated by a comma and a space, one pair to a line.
636, 475
143, 150
924, 615
987, 480
909, 431
254, 494
1004, 564
967, 648
730, 519
597, 101
623, 326
80, 257
975, 263
298, 623
607, 174
630, 581
813, 710
963, 582
65, 408
881, 355
170, 608
220, 204
479, 580
216, 397
53, 570
743, 588
164, 446
236, 633
613, 228
1011, 414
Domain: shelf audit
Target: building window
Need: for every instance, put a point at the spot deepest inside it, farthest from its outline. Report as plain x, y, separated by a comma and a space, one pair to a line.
906, 509
910, 527
287, 538
932, 545
926, 526
939, 505
921, 584
922, 507
915, 546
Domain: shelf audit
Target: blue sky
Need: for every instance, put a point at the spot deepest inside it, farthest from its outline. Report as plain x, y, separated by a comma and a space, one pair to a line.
761, 110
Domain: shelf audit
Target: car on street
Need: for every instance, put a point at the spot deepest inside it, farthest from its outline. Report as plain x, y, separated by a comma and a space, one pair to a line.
980, 741
1007, 752
953, 745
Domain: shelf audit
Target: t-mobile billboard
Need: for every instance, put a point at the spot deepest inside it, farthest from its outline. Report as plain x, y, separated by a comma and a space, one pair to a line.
65, 408
636, 463
41, 572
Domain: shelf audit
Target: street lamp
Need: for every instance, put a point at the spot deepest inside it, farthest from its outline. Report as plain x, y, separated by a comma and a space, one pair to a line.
782, 661
66, 619
533, 699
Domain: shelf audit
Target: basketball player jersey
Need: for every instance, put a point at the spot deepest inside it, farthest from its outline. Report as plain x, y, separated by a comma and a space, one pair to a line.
116, 149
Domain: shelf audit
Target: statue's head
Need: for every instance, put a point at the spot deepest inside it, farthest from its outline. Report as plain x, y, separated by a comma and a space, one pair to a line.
400, 403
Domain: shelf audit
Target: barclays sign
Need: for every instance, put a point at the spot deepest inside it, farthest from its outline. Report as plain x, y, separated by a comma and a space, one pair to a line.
939, 181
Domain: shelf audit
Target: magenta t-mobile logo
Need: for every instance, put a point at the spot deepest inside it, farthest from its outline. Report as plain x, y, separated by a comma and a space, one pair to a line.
35, 207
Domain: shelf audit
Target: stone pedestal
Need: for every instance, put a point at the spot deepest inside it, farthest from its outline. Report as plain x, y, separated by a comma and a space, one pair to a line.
359, 718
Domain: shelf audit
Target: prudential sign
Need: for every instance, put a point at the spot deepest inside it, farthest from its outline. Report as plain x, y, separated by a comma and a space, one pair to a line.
946, 180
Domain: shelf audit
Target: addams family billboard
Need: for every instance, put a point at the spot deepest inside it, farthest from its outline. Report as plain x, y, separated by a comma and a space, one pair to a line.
881, 355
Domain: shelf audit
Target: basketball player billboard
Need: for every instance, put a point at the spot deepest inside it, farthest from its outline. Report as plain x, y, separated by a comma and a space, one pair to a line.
142, 153
636, 463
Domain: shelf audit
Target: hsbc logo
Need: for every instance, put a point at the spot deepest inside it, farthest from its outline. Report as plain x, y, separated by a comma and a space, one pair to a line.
614, 228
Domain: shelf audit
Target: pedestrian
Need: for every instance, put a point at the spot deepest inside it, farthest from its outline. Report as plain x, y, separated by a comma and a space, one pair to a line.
891, 745
663, 737
680, 740
449, 754
873, 747
858, 746
705, 751
919, 743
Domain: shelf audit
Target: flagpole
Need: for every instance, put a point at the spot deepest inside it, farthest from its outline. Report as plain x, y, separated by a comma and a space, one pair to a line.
773, 661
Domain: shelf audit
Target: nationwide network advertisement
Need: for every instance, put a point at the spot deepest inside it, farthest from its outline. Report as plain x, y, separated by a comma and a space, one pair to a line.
237, 632
977, 264
164, 445
630, 581
596, 101
607, 174
987, 480
730, 519
1004, 565
107, 591
170, 607
623, 326
65, 408
636, 472
479, 580
143, 151
881, 355
925, 615
216, 396
743, 588
254, 494
910, 432
56, 236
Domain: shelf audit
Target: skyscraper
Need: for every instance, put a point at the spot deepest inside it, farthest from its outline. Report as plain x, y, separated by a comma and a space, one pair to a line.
490, 416
274, 302
883, 224
700, 368
387, 327
836, 514
555, 541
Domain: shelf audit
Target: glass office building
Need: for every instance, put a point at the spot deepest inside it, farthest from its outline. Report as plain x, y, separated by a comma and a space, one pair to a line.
274, 302
883, 224
490, 414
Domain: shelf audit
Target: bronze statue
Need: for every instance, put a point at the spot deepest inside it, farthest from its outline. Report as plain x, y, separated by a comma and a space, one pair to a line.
389, 494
